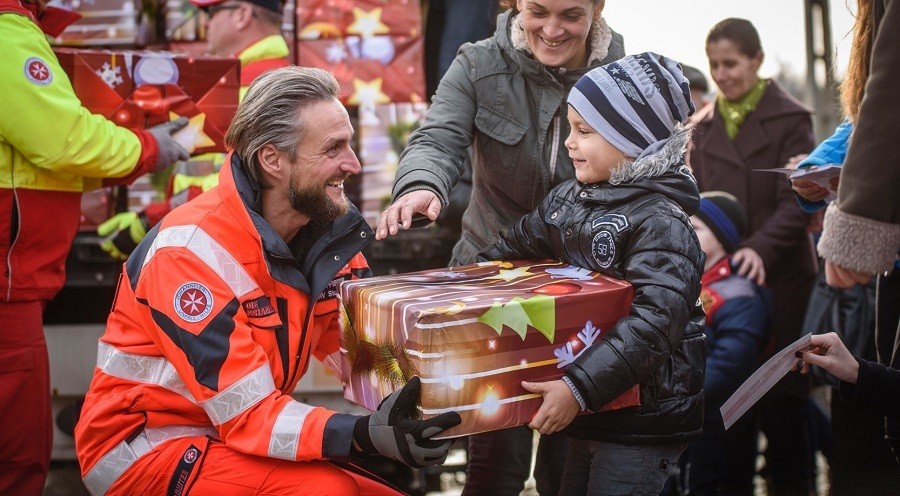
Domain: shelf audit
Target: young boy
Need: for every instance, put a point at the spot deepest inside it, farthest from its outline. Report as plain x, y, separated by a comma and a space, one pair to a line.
738, 315
626, 215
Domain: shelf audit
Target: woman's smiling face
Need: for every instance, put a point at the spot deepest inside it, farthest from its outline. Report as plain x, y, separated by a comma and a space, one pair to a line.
557, 30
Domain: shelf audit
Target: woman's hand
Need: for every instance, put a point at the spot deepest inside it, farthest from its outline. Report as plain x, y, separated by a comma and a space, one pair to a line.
750, 265
400, 213
828, 352
557, 410
839, 277
809, 190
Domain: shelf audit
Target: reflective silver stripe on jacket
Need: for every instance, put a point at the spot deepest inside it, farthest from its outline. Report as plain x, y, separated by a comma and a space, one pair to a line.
209, 251
141, 368
123, 456
286, 431
240, 396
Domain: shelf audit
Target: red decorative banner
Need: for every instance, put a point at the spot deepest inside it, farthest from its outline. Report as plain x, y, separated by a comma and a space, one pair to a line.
371, 71
373, 47
318, 19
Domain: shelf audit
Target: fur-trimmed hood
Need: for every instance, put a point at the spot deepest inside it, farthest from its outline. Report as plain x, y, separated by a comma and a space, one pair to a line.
662, 172
655, 163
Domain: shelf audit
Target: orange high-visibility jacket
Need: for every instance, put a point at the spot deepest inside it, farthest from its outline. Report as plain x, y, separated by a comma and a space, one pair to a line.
214, 323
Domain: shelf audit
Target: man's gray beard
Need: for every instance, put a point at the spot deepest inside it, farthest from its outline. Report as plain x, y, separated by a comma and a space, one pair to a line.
314, 203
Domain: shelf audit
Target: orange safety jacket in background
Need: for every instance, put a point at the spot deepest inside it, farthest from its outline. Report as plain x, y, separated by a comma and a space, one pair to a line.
51, 149
214, 323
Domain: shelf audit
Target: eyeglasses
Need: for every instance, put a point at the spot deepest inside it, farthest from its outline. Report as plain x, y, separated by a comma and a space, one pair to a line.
212, 10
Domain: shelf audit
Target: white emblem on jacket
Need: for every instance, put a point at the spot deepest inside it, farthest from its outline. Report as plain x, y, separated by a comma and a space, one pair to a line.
603, 249
193, 302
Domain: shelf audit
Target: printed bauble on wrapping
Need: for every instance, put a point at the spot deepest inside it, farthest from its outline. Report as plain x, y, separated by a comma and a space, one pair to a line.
373, 47
473, 333
141, 89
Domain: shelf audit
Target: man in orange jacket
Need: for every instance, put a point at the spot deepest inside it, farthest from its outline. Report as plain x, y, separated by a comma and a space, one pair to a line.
51, 150
222, 306
249, 30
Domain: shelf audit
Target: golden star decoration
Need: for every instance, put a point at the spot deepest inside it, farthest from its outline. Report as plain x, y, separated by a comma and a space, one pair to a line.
192, 136
367, 24
367, 93
512, 275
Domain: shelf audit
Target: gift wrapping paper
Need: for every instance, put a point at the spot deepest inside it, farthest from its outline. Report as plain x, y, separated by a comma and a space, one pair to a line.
473, 333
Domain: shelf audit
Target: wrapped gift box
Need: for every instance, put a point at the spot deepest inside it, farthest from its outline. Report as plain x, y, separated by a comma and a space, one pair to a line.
141, 89
473, 333
373, 47
103, 23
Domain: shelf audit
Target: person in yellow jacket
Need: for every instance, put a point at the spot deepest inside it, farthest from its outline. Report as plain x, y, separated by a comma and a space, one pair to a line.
249, 30
51, 150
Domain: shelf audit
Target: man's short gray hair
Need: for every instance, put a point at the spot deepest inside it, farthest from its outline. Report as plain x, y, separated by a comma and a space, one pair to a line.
272, 113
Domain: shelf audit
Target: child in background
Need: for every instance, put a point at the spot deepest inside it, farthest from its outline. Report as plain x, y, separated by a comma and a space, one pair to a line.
738, 316
626, 215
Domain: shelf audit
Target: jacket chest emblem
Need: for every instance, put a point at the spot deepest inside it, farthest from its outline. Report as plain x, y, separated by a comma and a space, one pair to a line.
193, 302
603, 249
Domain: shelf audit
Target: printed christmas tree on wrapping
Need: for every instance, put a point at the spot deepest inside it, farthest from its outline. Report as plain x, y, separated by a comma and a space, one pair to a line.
538, 311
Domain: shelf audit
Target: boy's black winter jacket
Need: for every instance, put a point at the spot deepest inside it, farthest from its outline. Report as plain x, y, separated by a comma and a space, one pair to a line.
639, 231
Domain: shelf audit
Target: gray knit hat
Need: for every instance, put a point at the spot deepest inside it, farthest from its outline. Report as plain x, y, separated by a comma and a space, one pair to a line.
634, 102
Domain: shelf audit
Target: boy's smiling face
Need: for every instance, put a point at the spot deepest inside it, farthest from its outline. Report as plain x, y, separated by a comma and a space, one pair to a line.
592, 155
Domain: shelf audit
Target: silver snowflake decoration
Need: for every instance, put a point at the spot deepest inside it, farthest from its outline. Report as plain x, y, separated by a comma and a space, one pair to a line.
566, 354
110, 75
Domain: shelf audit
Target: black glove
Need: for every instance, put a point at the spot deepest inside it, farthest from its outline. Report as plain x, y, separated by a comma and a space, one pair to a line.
122, 232
169, 149
394, 431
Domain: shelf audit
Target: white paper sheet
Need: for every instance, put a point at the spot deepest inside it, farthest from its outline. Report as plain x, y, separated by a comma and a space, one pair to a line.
762, 381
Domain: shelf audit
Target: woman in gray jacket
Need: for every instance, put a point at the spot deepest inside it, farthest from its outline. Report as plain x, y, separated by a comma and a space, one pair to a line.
502, 105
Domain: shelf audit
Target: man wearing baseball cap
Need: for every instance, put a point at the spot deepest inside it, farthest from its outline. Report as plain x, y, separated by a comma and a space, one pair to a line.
249, 30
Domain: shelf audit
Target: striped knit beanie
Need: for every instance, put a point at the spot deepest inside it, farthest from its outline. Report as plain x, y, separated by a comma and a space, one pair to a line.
724, 216
634, 102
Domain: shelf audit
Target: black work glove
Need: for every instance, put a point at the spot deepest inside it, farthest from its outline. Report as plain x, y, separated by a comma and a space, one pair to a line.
122, 232
169, 149
394, 430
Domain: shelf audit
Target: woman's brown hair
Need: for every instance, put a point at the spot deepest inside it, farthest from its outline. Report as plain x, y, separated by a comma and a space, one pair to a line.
854, 85
741, 32
511, 4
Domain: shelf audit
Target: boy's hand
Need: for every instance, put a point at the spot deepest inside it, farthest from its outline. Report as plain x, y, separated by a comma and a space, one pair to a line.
557, 410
